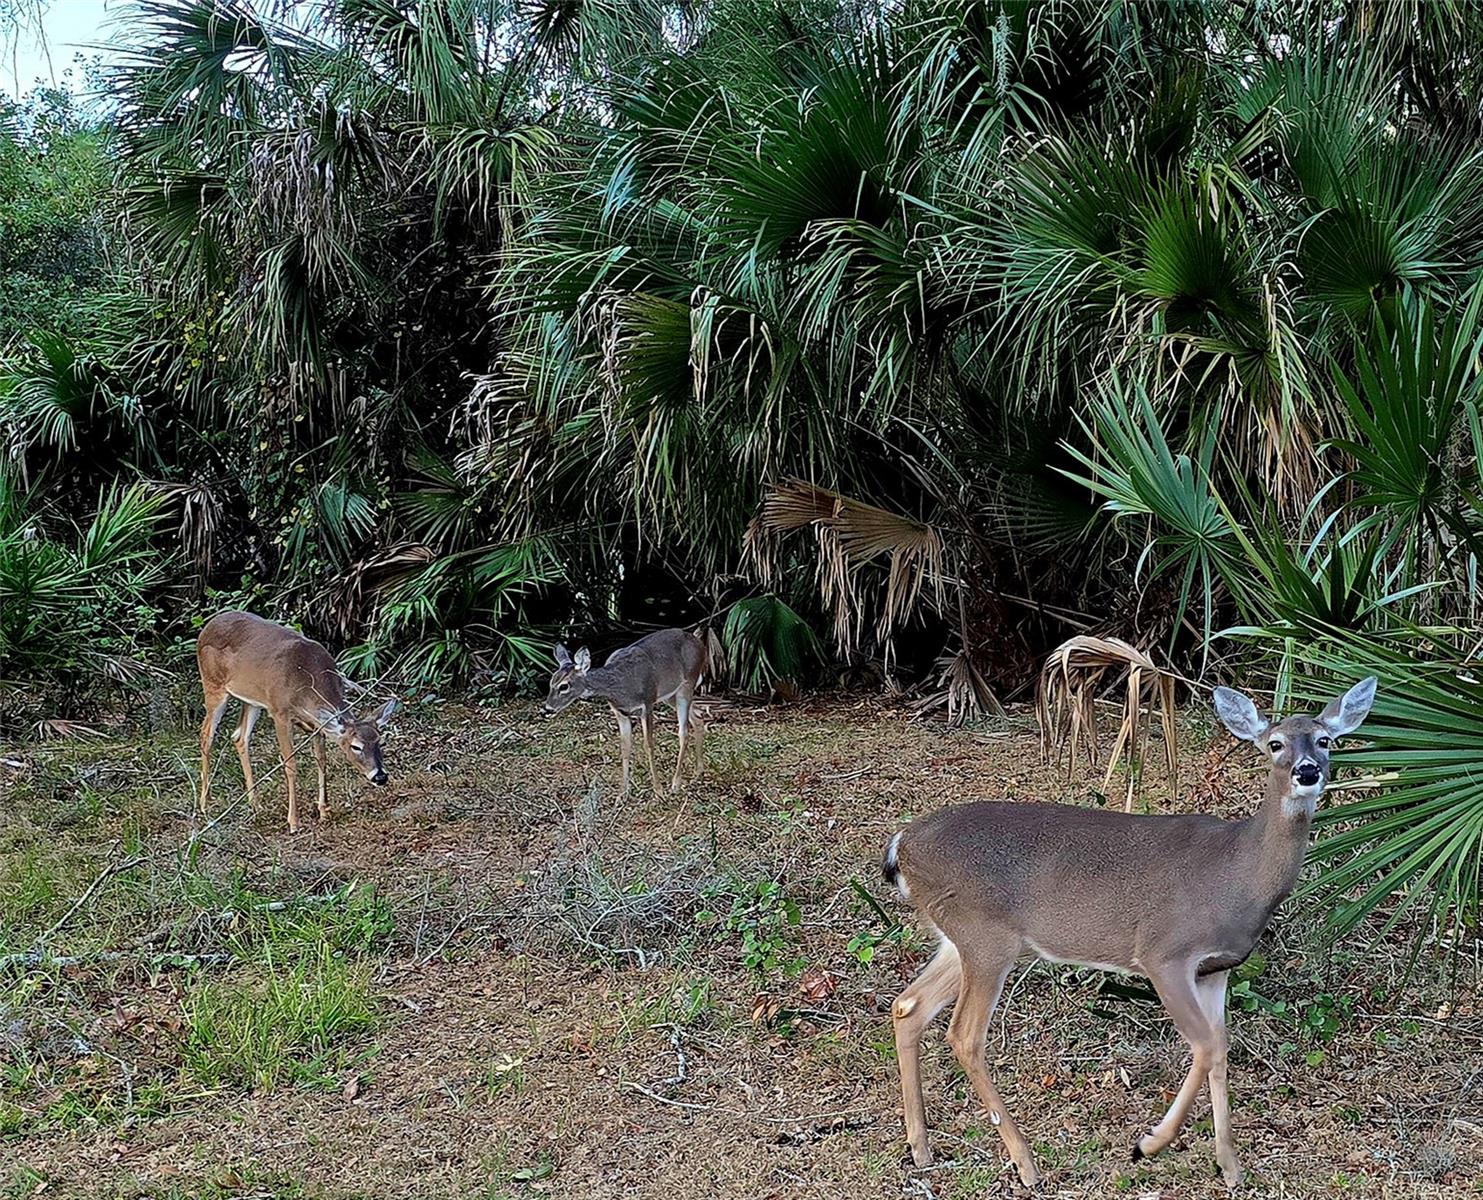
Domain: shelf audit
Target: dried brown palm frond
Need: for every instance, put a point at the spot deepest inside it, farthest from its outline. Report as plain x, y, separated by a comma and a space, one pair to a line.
1075, 674
200, 523
715, 655
961, 686
851, 534
128, 671
346, 599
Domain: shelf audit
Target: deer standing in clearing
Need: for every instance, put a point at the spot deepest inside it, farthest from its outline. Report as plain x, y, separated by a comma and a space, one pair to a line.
664, 667
1179, 899
269, 666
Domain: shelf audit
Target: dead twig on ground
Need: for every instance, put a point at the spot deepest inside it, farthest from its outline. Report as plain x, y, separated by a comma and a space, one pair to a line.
37, 954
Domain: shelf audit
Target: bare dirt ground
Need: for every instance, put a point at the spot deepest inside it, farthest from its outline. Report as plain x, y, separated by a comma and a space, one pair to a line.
571, 993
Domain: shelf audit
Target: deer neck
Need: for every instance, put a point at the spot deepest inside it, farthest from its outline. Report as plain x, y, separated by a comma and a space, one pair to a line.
602, 684
1278, 838
325, 708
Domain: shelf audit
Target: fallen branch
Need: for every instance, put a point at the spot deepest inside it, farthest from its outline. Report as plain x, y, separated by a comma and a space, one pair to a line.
31, 960
458, 927
37, 953
806, 1119
643, 1091
115, 869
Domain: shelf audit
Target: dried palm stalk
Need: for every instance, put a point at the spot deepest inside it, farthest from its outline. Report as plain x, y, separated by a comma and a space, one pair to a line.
55, 729
1066, 706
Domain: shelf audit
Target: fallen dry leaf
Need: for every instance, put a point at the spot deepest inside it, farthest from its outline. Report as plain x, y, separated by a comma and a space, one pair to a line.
765, 1009
817, 984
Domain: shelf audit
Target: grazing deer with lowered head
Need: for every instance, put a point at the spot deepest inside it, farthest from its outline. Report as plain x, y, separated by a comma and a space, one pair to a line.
1179, 899
269, 666
662, 667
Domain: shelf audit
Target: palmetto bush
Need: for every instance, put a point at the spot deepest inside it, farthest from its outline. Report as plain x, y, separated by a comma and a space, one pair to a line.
1378, 576
79, 600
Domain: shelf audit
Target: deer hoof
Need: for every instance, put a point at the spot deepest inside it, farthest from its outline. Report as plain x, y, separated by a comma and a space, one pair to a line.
1029, 1176
1232, 1173
1140, 1151
922, 1155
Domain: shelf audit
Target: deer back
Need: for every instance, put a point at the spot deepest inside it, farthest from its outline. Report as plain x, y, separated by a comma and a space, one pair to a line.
270, 665
1086, 885
651, 669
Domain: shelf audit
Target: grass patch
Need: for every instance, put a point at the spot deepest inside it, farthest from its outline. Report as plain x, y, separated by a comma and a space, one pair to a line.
23, 1181
12, 1120
288, 1019
225, 1183
34, 881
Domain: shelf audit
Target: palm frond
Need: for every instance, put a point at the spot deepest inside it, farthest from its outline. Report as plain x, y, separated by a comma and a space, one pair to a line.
849, 534
1071, 683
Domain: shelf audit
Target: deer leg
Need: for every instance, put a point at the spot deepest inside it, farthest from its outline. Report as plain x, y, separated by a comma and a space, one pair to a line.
697, 739
911, 1012
682, 717
241, 736
646, 721
216, 703
984, 972
625, 742
286, 750
1175, 985
322, 807
1212, 990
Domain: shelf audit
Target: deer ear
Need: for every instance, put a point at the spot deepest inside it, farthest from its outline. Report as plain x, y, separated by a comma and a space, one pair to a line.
1239, 714
563, 655
583, 660
1346, 713
386, 712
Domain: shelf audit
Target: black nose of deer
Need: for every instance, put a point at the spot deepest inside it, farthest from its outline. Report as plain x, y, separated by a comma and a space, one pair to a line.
1307, 774
379, 778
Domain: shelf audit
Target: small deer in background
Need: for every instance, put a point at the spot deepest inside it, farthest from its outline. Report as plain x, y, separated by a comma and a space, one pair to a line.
1178, 899
664, 667
269, 666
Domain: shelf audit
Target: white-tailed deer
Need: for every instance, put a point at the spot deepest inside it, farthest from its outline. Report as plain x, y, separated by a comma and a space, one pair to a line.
1179, 899
269, 666
664, 667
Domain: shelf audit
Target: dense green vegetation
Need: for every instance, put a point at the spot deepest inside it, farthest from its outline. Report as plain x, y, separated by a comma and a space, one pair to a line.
440, 326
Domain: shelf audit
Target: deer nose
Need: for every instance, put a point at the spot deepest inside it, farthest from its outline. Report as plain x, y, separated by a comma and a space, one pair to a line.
1307, 774
379, 778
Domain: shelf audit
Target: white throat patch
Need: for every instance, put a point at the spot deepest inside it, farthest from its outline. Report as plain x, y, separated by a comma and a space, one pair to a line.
1302, 801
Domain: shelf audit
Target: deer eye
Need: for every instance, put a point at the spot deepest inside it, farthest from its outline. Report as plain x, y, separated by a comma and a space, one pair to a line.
565, 687
1275, 747
357, 747
1323, 743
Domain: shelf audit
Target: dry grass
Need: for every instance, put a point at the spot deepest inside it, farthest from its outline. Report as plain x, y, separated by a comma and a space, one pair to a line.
580, 996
